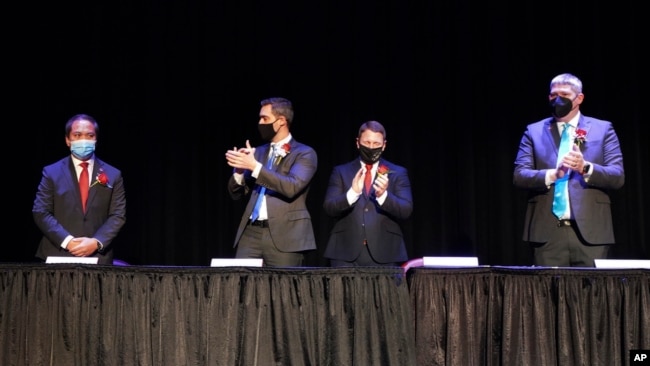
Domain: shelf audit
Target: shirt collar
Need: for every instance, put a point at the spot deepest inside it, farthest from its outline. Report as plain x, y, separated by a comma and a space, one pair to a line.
76, 161
573, 122
283, 141
363, 164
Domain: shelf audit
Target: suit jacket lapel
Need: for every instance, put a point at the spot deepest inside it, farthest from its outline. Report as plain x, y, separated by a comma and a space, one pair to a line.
69, 173
552, 134
93, 177
583, 124
262, 154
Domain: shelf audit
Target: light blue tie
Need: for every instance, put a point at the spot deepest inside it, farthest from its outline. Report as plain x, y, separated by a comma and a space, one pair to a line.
262, 190
561, 199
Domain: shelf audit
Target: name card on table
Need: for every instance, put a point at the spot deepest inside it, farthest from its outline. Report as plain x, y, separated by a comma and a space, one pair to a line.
82, 260
621, 263
236, 262
450, 261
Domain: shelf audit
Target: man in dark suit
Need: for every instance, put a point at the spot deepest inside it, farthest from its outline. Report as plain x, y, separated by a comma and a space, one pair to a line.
70, 226
576, 231
367, 231
276, 227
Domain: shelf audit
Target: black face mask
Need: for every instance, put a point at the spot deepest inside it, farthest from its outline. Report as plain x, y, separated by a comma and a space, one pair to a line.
267, 132
368, 155
560, 106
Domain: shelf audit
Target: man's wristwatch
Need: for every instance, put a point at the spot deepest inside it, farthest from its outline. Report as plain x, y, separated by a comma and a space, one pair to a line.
99, 246
585, 169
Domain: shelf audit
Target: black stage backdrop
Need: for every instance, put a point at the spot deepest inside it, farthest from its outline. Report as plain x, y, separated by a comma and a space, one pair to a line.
174, 84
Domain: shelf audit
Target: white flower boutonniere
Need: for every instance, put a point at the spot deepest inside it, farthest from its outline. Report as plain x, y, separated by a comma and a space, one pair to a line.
282, 152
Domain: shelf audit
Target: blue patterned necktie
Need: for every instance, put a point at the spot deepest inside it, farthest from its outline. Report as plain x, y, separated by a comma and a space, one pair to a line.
561, 197
262, 190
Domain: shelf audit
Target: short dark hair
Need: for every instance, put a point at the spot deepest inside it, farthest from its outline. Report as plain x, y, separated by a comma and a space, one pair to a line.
280, 107
373, 126
568, 79
77, 117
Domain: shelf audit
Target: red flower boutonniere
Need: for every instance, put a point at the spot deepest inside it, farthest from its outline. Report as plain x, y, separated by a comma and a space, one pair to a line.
580, 136
383, 169
102, 179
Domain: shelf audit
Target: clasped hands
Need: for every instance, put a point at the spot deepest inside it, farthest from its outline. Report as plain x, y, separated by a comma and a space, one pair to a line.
82, 246
572, 160
242, 158
380, 185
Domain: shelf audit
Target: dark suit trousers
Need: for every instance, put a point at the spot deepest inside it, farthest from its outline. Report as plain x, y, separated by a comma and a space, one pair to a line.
256, 242
567, 248
363, 260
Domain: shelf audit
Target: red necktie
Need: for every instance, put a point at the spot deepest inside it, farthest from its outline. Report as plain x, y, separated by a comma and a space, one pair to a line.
368, 178
84, 183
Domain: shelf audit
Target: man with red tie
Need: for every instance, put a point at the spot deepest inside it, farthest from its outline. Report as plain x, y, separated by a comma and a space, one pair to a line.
80, 204
369, 197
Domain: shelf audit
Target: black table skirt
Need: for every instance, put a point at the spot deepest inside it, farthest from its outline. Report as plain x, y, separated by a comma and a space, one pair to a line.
527, 316
103, 315
85, 315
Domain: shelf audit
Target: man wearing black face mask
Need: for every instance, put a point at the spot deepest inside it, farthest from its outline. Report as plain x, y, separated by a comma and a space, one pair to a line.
276, 225
569, 221
369, 198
